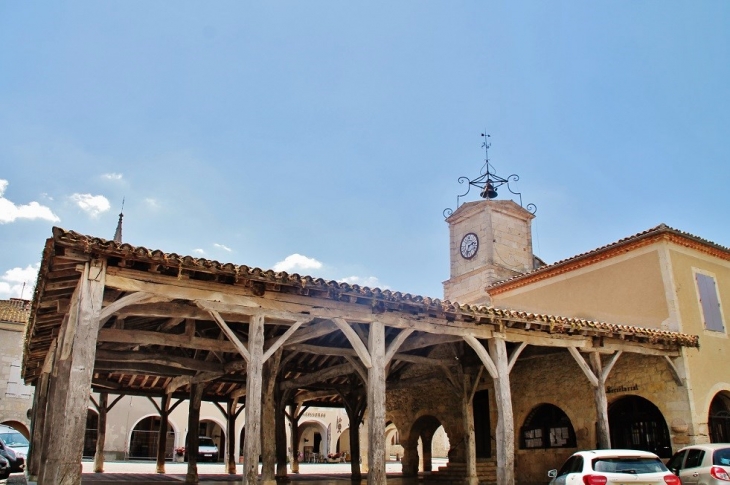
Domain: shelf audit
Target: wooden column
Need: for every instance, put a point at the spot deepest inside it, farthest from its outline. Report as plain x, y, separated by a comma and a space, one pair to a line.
70, 383
162, 434
268, 419
231, 415
467, 413
294, 435
281, 468
599, 394
37, 424
376, 404
191, 443
252, 441
101, 433
505, 417
597, 376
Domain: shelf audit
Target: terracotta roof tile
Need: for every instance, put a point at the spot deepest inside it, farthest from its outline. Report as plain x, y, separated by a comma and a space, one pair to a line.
14, 310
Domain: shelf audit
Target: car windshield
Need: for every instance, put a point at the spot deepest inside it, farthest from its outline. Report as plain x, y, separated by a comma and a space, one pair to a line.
14, 439
721, 457
203, 441
631, 465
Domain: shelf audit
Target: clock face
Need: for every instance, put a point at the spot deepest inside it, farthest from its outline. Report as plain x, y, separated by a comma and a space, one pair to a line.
469, 245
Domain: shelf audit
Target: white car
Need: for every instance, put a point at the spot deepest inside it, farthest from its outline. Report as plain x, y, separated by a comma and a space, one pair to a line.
14, 440
613, 467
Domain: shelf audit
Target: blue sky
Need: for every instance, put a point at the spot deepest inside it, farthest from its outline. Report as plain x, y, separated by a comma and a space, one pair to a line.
250, 132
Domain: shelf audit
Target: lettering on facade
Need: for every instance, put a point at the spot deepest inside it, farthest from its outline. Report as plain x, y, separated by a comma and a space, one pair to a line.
611, 390
314, 415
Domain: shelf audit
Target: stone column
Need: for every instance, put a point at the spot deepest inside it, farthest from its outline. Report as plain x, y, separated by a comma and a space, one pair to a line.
252, 441
376, 405
70, 383
409, 460
427, 440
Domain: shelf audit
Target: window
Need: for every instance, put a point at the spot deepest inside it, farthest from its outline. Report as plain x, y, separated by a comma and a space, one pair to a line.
710, 302
694, 458
16, 388
573, 465
547, 426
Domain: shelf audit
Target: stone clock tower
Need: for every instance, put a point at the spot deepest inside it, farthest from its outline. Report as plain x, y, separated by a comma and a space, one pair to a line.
490, 240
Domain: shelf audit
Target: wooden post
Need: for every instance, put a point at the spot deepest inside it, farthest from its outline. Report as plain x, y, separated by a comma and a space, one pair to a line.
101, 433
70, 383
376, 404
281, 468
268, 419
191, 443
252, 441
162, 433
467, 413
294, 435
505, 418
40, 399
599, 394
231, 436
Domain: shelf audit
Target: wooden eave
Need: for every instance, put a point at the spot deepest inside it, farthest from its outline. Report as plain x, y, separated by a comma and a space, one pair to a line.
163, 345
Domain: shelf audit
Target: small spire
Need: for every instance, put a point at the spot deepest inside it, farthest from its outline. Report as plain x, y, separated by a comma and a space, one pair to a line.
118, 232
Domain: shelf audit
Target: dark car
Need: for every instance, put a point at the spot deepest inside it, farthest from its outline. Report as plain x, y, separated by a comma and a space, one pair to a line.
4, 468
17, 464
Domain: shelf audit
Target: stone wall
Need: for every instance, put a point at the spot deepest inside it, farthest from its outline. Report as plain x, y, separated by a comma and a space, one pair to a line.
15, 397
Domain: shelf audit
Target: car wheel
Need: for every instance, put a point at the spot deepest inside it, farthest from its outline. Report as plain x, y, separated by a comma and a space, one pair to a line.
4, 475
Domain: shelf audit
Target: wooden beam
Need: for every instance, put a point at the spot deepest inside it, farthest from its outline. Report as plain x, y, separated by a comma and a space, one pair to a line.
482, 354
674, 371
252, 440
157, 358
376, 404
515, 355
609, 366
144, 338
505, 417
354, 339
601, 400
396, 343
138, 297
232, 335
584, 366
322, 375
281, 340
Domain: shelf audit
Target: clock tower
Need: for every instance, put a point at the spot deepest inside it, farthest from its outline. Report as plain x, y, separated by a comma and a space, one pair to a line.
490, 241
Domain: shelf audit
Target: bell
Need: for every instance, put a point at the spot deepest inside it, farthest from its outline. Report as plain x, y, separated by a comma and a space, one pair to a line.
488, 192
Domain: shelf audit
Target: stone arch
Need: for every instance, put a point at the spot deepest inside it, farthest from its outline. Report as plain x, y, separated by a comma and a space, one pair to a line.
214, 429
19, 427
637, 423
547, 426
309, 442
423, 430
343, 442
718, 418
144, 436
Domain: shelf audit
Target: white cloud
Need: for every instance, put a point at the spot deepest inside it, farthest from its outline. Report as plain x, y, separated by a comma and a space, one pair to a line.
152, 203
223, 247
369, 281
112, 176
9, 212
91, 204
297, 262
198, 251
11, 283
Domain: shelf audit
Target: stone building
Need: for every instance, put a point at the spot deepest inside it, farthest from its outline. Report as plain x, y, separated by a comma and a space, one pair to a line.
15, 397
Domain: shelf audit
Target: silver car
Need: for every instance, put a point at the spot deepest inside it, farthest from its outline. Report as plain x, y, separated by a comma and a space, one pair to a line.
702, 464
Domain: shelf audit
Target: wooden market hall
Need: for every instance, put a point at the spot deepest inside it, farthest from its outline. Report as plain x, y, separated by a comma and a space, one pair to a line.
111, 318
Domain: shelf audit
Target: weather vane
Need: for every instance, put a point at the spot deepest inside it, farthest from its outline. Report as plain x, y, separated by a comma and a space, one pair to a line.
488, 182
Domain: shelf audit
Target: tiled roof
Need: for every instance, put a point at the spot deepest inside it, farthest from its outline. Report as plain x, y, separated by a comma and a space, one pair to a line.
604, 252
14, 310
176, 265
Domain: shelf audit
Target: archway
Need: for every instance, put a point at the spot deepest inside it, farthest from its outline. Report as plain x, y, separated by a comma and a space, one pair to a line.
91, 434
240, 446
547, 426
19, 427
343, 443
313, 441
422, 433
145, 436
636, 423
213, 430
719, 418
393, 447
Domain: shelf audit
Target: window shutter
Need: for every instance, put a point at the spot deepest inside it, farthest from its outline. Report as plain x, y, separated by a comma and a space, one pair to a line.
710, 303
